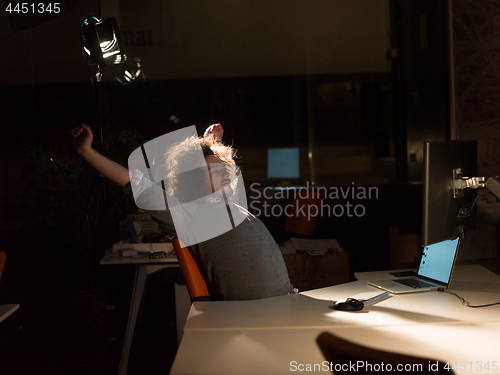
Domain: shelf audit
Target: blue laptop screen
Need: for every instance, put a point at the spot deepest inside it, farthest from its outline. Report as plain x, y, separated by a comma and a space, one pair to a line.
438, 259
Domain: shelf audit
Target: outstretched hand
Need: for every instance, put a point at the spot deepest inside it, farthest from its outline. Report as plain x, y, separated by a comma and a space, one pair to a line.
216, 130
82, 138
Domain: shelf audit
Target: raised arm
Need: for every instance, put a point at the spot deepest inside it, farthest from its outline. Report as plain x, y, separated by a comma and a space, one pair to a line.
82, 141
215, 130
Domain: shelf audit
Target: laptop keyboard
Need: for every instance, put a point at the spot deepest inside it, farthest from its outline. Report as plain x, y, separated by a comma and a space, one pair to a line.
415, 283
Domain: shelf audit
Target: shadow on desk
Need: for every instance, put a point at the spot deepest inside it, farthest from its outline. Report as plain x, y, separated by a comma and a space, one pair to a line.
341, 352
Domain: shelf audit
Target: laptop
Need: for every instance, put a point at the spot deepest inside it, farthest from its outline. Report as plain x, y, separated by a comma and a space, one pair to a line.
434, 272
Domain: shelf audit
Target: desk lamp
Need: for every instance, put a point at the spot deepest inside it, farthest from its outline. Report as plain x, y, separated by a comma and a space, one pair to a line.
352, 304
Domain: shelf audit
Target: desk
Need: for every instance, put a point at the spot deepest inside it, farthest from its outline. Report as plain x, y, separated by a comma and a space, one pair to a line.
7, 310
144, 267
274, 334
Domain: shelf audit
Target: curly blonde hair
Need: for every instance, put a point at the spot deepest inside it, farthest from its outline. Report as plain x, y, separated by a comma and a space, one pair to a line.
193, 184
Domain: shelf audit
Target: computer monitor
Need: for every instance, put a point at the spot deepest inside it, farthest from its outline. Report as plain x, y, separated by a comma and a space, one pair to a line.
448, 212
283, 162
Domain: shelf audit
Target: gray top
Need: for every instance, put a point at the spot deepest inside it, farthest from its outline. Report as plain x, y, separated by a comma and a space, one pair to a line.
242, 264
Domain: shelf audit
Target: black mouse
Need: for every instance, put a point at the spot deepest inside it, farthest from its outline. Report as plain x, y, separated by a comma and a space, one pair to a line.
349, 304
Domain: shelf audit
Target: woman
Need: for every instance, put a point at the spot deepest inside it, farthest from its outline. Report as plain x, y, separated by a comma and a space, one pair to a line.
242, 260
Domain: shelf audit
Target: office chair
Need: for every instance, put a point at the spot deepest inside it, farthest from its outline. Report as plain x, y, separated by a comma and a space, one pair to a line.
341, 352
3, 258
193, 272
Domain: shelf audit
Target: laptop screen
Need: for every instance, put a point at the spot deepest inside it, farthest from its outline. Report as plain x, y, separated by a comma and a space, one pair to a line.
438, 259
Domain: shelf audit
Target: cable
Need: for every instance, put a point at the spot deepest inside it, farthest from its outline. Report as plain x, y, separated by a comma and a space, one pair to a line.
466, 303
464, 212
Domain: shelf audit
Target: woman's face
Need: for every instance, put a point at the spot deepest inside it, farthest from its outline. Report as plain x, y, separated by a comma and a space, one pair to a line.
219, 176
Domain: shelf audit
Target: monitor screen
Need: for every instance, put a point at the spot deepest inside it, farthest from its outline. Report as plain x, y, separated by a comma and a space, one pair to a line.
283, 162
440, 205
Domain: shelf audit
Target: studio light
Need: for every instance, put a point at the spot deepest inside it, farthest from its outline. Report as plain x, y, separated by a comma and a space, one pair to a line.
132, 72
101, 42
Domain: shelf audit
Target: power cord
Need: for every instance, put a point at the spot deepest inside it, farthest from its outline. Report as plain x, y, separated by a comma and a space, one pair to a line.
465, 211
466, 303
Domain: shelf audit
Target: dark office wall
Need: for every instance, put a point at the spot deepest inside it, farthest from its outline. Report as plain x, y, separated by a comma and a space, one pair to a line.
205, 39
477, 102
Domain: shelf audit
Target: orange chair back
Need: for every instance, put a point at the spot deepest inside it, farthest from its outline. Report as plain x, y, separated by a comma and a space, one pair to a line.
198, 285
303, 214
3, 258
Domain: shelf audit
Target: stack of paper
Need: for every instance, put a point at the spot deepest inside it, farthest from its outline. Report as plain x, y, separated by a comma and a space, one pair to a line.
144, 247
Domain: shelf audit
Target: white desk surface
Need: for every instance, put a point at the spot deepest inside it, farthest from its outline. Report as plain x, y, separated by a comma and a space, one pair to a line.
277, 351
7, 310
311, 309
265, 336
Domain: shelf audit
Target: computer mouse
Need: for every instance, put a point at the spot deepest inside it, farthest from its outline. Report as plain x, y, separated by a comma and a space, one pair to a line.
349, 304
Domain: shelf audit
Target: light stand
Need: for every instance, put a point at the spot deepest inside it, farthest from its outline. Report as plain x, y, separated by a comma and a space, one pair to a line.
101, 46
100, 43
